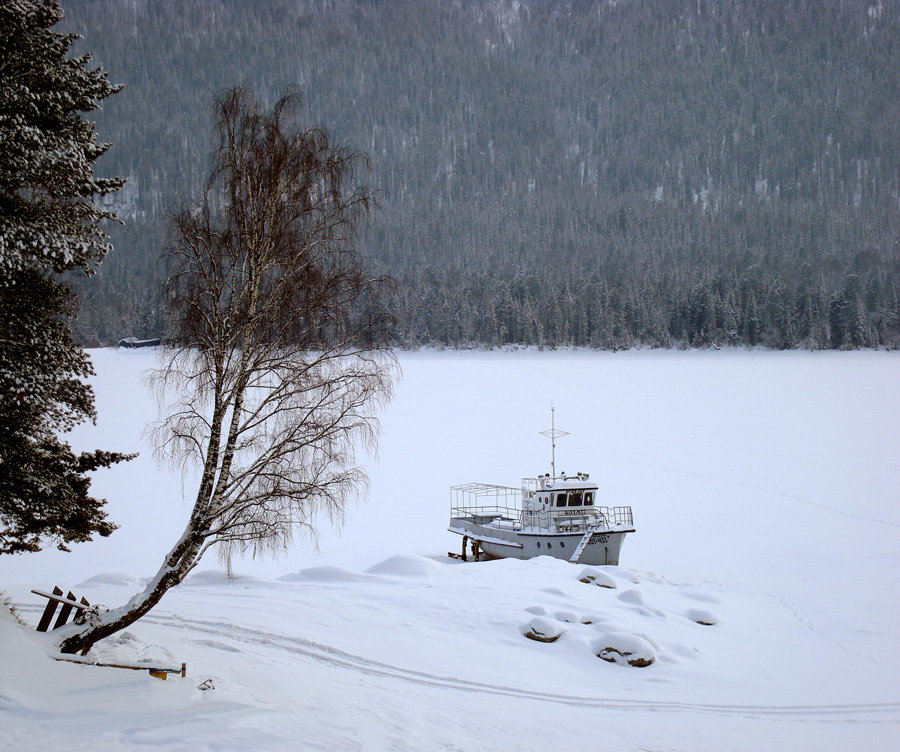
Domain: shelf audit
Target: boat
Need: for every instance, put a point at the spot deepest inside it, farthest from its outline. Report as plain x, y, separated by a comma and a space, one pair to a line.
547, 515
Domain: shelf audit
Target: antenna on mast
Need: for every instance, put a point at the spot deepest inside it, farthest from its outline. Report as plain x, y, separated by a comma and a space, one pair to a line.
553, 434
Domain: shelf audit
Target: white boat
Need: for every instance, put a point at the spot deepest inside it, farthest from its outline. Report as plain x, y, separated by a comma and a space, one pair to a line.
548, 515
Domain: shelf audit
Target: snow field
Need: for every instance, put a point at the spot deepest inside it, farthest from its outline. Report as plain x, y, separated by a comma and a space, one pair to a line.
761, 580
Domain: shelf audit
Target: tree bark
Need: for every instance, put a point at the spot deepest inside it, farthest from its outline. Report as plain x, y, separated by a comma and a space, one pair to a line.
76, 638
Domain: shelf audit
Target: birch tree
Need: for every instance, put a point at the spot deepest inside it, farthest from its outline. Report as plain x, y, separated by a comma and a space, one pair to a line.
277, 361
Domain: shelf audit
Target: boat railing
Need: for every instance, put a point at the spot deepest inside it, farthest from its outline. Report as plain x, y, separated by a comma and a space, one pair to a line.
561, 521
485, 514
500, 506
485, 502
531, 486
573, 521
618, 516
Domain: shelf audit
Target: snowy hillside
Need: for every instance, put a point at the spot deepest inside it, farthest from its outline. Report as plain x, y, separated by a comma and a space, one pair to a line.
761, 585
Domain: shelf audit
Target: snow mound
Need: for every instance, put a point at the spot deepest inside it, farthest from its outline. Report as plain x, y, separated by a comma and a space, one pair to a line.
702, 617
125, 647
621, 573
405, 566
567, 616
596, 577
541, 630
114, 579
325, 574
624, 649
633, 597
27, 667
536, 610
218, 577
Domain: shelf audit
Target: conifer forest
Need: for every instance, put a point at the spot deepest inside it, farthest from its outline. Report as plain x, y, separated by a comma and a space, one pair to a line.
584, 173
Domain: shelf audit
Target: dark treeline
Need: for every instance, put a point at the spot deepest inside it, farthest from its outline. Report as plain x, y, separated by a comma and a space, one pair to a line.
588, 173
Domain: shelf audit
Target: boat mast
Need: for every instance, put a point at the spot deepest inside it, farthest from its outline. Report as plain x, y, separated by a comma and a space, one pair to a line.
553, 434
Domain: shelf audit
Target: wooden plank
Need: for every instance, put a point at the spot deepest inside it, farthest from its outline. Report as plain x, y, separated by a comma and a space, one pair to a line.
57, 596
50, 609
132, 667
64, 611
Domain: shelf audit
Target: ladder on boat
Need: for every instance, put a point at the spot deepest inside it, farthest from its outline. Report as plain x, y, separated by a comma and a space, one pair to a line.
585, 540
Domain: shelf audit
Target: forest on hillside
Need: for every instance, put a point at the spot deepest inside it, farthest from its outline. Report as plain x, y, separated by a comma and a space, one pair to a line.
608, 174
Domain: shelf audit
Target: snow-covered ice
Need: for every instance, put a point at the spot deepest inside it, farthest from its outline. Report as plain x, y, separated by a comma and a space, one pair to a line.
757, 602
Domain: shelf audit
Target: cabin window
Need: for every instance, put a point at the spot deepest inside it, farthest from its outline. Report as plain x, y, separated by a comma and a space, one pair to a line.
575, 499
588, 498
539, 544
560, 499
562, 544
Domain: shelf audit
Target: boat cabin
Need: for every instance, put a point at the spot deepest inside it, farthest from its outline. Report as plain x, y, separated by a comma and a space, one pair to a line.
563, 502
545, 493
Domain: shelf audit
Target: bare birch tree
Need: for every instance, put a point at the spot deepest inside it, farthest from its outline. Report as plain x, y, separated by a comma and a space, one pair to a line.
278, 358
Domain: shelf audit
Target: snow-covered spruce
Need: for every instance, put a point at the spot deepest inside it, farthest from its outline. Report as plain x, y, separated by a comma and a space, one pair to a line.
50, 224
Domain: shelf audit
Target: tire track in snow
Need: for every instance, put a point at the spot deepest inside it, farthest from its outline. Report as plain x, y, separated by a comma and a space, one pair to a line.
883, 712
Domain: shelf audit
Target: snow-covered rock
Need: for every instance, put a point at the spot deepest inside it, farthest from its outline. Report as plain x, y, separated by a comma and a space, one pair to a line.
701, 616
597, 577
542, 630
624, 649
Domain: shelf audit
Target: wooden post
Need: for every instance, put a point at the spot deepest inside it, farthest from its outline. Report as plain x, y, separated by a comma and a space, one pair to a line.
86, 647
64, 611
49, 611
183, 670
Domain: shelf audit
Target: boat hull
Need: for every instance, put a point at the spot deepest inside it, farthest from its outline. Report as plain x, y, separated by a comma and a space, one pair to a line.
497, 543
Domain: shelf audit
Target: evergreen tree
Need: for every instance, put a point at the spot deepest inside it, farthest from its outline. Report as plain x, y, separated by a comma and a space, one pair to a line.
49, 226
